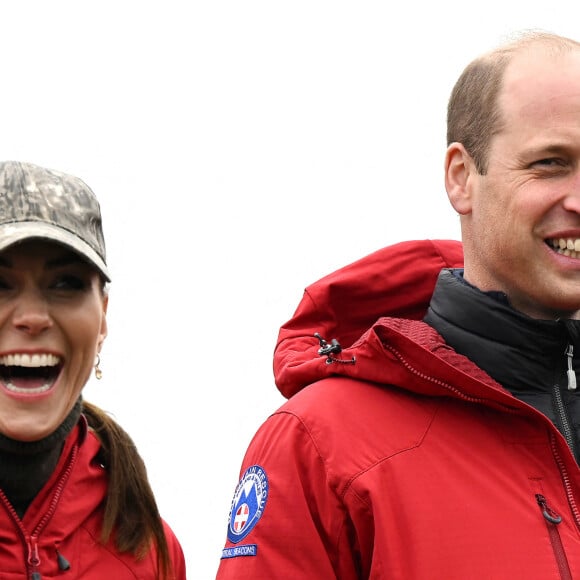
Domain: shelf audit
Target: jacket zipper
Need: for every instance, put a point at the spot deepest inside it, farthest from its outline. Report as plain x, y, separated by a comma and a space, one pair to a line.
552, 521
559, 403
565, 479
31, 542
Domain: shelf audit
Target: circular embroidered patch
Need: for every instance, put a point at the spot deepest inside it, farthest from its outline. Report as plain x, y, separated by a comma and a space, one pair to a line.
248, 503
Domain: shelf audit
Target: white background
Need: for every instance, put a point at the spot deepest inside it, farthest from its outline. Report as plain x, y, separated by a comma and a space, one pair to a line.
241, 150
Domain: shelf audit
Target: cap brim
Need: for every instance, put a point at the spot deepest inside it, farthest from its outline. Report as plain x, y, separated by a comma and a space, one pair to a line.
12, 233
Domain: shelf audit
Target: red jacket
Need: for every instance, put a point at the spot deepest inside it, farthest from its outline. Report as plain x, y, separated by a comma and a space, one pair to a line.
64, 521
397, 458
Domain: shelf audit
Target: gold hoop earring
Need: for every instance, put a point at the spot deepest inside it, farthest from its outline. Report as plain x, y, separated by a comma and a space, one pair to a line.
98, 371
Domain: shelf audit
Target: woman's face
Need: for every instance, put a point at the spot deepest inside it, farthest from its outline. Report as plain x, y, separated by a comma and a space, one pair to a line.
52, 325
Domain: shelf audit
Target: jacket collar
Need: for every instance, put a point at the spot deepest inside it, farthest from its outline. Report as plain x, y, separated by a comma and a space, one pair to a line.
519, 352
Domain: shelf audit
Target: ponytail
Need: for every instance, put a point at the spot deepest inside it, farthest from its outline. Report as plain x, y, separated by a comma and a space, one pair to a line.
131, 514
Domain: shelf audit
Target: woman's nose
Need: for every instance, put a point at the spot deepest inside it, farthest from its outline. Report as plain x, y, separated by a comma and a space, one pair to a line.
31, 313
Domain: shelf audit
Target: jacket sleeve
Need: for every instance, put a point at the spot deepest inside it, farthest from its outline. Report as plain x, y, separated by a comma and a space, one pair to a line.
286, 520
175, 553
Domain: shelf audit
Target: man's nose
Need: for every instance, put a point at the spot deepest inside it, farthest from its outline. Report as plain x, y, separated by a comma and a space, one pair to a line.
572, 199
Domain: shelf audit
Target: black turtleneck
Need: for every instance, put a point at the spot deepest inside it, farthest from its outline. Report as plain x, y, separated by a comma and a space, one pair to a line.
26, 466
525, 355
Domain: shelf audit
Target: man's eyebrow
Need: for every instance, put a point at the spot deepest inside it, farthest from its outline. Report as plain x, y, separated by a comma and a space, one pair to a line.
550, 149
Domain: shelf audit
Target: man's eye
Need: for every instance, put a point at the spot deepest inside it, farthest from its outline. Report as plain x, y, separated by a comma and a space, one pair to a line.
550, 162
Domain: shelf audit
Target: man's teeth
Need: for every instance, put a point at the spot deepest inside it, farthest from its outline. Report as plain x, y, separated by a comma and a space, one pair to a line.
566, 246
29, 360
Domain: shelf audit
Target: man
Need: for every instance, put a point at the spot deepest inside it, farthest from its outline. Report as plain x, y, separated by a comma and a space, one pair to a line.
432, 429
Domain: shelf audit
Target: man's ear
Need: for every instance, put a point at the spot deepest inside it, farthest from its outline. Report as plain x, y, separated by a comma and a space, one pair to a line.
459, 167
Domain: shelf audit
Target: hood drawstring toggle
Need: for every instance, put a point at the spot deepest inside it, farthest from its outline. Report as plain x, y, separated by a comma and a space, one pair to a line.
327, 349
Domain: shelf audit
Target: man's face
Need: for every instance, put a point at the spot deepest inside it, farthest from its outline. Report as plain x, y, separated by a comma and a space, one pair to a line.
516, 217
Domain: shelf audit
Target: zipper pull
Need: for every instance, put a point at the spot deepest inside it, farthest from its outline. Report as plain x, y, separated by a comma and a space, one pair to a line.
547, 511
570, 372
34, 559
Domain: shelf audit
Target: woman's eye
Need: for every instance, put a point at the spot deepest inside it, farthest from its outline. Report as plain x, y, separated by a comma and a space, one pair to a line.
4, 285
69, 282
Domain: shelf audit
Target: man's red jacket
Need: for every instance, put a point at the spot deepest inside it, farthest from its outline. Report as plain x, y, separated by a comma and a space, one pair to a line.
395, 457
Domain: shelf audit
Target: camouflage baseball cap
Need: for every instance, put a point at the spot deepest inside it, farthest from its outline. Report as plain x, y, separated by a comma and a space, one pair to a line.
41, 203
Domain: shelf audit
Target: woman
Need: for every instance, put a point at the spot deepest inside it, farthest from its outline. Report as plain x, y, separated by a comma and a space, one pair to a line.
74, 496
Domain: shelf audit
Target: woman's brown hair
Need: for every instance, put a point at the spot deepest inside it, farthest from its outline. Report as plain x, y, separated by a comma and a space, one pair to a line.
131, 516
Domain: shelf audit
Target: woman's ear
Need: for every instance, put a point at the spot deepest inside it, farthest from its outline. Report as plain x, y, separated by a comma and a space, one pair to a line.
103, 329
459, 167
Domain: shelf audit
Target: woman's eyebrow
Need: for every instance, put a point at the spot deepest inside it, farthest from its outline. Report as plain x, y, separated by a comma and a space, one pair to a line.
53, 263
60, 261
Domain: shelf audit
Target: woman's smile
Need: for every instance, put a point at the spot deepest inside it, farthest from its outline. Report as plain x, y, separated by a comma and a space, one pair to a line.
29, 374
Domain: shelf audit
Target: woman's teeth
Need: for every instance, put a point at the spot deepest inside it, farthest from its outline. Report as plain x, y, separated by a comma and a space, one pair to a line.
29, 373
29, 360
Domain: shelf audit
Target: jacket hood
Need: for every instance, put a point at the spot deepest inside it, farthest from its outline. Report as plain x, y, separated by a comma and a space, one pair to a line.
337, 310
